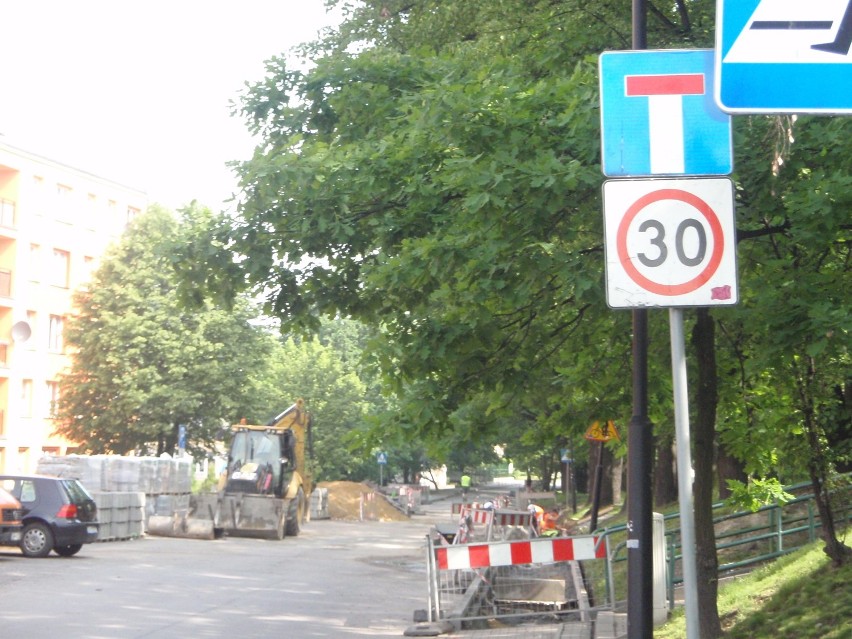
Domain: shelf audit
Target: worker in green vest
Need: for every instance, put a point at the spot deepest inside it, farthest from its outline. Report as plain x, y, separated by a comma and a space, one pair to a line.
465, 484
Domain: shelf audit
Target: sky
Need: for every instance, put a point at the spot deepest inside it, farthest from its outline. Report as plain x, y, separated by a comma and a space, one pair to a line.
138, 92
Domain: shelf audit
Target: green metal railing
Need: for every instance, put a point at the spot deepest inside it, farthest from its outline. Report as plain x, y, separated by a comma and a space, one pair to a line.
787, 527
765, 534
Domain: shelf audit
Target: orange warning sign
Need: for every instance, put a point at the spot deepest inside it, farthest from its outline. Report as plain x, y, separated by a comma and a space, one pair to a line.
602, 432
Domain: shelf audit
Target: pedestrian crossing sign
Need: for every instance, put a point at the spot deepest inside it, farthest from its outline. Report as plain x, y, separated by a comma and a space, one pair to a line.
784, 56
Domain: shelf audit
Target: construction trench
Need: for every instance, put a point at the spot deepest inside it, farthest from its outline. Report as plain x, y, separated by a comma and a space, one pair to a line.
490, 575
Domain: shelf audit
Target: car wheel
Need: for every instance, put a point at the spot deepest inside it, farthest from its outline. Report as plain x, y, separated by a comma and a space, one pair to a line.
36, 540
68, 551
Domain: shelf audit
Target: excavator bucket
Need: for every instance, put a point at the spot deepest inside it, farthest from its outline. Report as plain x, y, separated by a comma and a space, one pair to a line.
244, 515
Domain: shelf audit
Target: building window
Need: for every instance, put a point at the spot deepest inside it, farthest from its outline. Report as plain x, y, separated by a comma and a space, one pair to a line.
64, 202
38, 195
113, 221
92, 211
132, 214
35, 262
26, 398
88, 268
7, 213
61, 268
55, 341
27, 486
52, 398
5, 282
31, 320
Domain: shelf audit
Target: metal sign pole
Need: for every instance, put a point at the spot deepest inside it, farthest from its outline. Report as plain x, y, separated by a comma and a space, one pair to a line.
639, 445
684, 472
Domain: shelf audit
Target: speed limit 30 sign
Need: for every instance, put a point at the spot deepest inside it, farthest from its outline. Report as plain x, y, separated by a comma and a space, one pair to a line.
670, 242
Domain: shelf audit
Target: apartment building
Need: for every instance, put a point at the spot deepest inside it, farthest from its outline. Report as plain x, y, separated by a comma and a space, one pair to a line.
55, 223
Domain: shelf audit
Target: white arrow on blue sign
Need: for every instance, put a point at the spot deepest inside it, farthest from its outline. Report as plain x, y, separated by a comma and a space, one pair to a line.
784, 56
658, 115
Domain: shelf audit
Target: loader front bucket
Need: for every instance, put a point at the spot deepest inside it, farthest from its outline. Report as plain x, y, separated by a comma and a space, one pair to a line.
260, 516
199, 522
181, 525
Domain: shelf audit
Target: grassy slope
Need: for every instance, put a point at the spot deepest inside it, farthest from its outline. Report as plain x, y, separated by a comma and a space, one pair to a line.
800, 596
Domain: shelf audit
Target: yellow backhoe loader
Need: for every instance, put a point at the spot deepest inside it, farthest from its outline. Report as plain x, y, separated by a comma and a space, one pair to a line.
264, 490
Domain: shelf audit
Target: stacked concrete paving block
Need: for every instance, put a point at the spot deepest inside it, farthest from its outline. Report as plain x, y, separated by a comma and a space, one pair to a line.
319, 504
127, 490
121, 515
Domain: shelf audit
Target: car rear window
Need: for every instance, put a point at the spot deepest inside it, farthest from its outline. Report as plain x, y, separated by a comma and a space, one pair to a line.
28, 491
76, 491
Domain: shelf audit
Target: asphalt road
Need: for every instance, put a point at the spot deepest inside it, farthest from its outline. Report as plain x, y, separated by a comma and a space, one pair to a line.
337, 579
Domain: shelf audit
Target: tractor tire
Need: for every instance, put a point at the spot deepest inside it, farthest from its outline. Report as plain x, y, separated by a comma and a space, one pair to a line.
295, 514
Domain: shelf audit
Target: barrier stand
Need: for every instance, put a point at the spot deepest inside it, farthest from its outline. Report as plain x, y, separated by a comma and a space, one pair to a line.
527, 580
468, 518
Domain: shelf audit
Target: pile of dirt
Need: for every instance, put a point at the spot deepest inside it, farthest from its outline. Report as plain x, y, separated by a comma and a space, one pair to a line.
344, 502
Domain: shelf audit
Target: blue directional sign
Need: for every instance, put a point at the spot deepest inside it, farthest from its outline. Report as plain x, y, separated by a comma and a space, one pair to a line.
784, 56
382, 458
658, 116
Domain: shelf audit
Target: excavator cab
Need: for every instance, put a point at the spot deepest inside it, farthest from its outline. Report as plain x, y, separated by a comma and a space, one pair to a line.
261, 462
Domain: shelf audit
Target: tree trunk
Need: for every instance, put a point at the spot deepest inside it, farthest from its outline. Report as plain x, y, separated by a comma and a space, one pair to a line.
606, 475
706, 398
665, 483
818, 467
617, 480
607, 495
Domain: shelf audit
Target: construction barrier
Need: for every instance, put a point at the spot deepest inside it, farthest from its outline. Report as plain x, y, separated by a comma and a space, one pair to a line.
474, 585
511, 524
541, 550
368, 507
410, 498
481, 524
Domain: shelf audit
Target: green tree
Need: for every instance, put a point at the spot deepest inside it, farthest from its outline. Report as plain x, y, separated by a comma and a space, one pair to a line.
792, 341
141, 365
334, 396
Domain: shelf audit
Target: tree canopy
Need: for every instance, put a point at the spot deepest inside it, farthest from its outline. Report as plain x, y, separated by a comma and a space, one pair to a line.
435, 174
143, 366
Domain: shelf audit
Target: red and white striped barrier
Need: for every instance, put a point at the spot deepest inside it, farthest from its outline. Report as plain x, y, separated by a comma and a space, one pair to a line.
513, 553
456, 507
477, 515
518, 518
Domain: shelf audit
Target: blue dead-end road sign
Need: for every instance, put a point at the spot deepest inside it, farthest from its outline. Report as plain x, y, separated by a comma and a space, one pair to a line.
658, 115
784, 56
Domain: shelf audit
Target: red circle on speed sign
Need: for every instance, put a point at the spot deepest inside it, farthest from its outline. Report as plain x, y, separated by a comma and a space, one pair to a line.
702, 207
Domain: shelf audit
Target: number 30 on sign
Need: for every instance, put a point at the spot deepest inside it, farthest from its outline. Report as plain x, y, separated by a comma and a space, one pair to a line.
670, 242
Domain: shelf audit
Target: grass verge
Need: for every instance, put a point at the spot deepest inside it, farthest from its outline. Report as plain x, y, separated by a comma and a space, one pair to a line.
800, 596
